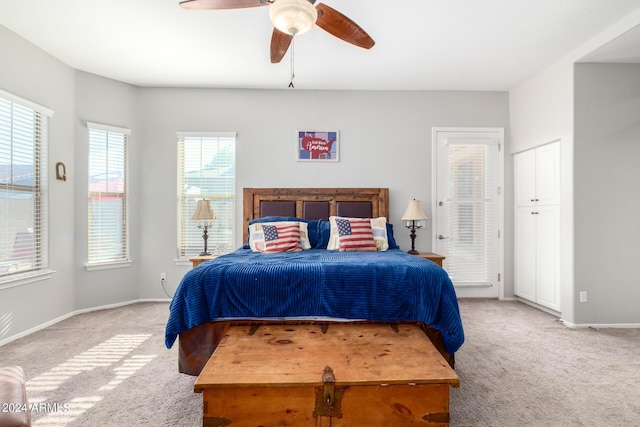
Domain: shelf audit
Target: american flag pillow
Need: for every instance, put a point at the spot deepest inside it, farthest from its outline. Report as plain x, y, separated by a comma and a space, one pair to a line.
256, 234
354, 234
281, 238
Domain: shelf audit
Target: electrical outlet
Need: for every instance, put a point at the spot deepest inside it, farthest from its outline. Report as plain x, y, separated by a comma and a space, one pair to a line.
583, 296
163, 276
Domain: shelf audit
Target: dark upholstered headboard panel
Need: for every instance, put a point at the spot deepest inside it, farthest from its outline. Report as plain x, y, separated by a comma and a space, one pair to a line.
314, 203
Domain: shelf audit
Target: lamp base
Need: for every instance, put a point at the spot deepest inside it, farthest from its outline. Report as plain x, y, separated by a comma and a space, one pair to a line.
205, 237
413, 227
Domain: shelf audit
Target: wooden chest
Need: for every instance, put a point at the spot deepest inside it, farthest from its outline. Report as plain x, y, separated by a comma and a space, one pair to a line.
340, 375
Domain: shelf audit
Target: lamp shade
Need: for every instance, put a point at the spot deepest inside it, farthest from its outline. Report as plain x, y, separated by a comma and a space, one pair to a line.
293, 17
414, 212
203, 211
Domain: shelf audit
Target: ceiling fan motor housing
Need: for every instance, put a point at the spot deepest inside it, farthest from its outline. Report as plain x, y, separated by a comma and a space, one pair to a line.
293, 17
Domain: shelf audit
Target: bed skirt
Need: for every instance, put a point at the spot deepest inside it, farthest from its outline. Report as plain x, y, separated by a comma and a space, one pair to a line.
198, 343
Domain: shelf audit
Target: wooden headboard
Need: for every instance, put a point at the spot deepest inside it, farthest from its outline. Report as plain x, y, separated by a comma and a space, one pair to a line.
313, 203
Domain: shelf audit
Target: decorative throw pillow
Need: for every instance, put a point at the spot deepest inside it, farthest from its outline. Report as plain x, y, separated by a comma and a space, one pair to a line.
256, 234
308, 231
272, 237
351, 235
379, 230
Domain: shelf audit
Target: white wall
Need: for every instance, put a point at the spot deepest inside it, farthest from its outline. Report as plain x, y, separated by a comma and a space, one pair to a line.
542, 110
607, 156
385, 142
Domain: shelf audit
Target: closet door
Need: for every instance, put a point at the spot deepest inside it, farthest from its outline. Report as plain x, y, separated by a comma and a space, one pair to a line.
525, 183
537, 229
547, 174
547, 248
525, 253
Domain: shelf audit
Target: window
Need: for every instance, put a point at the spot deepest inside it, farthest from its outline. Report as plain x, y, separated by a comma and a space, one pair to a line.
23, 189
206, 170
108, 236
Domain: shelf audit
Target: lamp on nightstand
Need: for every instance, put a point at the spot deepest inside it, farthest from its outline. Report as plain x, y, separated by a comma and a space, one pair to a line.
204, 214
414, 217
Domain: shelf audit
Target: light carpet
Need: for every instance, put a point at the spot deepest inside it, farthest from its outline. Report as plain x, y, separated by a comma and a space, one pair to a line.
518, 367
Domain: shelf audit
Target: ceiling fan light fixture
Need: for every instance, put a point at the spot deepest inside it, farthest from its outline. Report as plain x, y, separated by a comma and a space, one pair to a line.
293, 17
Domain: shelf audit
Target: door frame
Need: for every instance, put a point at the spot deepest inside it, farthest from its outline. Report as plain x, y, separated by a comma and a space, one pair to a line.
500, 220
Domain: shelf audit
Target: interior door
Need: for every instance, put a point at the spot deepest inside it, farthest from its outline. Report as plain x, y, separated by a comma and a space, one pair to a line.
468, 208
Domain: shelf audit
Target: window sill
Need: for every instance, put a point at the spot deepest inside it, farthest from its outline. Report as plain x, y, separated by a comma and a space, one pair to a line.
107, 265
26, 279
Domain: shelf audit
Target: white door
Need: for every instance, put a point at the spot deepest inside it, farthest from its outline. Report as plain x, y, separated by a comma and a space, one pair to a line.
468, 208
547, 269
525, 260
537, 220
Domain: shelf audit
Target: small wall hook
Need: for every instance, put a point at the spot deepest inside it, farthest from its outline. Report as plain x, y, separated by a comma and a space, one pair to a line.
61, 171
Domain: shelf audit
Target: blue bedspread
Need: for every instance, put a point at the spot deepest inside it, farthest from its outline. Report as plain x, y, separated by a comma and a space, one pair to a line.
379, 286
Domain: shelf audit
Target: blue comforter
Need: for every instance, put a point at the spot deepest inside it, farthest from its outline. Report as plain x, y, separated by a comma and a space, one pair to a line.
380, 286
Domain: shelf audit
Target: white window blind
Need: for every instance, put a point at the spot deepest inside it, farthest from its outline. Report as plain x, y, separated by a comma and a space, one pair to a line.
206, 170
24, 209
471, 219
108, 236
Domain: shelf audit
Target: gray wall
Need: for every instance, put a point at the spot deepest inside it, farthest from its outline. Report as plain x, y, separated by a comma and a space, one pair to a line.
385, 137
28, 72
606, 195
104, 101
385, 142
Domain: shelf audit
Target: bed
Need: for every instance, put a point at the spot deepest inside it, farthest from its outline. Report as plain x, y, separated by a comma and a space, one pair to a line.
315, 285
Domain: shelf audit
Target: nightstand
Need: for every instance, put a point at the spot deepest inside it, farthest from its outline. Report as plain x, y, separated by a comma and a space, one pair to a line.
432, 257
197, 260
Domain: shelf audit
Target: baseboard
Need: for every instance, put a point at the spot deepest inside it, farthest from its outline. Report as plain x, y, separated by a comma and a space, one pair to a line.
115, 305
74, 313
601, 325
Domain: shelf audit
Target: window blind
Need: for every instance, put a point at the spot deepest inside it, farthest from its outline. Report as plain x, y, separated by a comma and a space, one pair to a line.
206, 170
107, 209
24, 210
472, 181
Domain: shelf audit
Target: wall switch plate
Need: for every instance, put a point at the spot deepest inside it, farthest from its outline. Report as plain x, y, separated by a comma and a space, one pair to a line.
583, 296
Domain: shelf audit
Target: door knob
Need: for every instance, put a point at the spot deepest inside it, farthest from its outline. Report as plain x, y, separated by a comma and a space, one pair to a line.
441, 237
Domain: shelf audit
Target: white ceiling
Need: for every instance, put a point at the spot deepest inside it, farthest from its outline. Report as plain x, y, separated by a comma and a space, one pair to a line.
420, 44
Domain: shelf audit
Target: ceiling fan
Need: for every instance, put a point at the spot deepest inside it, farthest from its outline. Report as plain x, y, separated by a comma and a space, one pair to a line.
293, 17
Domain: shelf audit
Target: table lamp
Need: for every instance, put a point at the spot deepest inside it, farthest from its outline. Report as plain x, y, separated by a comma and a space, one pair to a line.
204, 214
414, 217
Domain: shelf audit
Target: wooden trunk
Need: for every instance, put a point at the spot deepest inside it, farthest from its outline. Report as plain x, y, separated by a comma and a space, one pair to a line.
343, 375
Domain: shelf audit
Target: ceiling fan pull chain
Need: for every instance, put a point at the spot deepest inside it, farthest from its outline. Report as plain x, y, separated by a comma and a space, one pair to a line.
293, 74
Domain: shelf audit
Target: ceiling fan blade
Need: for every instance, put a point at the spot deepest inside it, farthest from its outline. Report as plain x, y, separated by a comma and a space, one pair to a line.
220, 4
279, 45
342, 27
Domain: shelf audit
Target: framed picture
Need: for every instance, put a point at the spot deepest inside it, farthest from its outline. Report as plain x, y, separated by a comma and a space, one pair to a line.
318, 146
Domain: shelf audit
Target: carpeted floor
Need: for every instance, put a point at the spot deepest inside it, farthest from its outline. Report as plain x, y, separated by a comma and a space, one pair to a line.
518, 367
